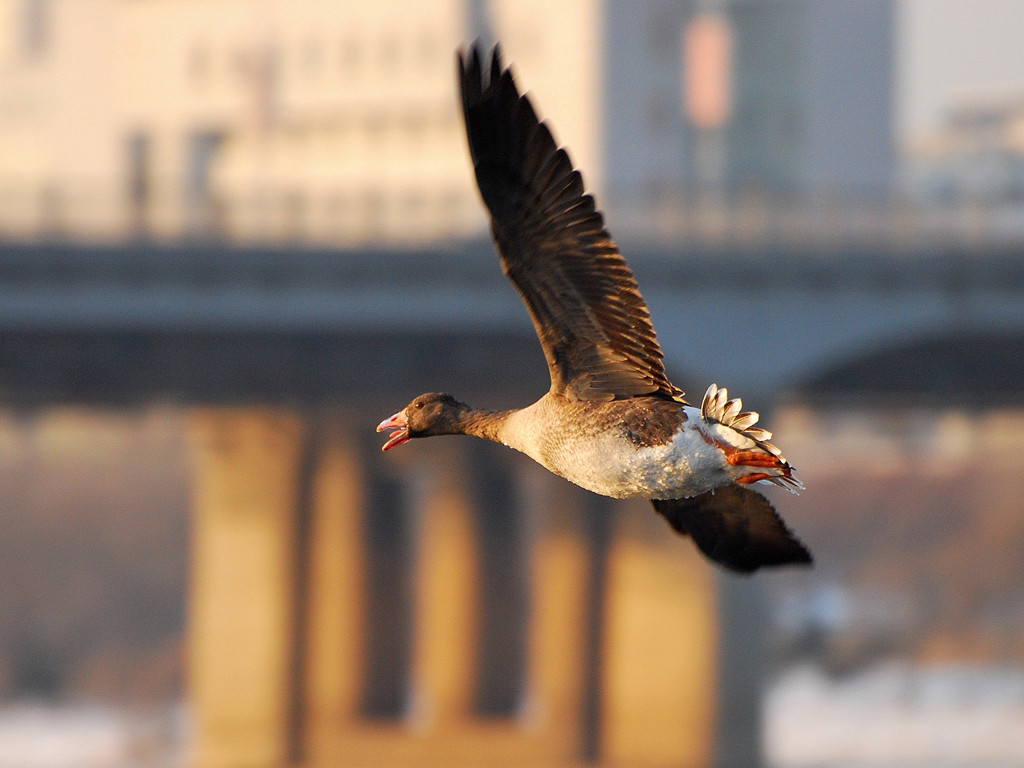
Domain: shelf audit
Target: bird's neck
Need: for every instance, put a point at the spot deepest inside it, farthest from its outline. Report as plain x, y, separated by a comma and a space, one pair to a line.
480, 422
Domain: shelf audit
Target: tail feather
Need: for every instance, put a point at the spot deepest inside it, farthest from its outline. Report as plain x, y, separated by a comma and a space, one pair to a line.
717, 409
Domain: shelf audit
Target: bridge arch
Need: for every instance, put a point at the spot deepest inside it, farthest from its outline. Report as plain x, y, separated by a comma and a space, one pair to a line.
954, 367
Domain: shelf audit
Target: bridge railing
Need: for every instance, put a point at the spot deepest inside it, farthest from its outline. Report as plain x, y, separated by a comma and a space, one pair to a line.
104, 212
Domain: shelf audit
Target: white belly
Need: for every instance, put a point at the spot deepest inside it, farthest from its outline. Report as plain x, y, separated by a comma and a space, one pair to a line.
609, 464
687, 466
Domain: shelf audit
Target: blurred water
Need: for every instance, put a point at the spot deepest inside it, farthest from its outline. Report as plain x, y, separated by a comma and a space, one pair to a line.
897, 716
886, 716
37, 735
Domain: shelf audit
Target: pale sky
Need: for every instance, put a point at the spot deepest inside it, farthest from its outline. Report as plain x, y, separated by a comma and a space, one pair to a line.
950, 48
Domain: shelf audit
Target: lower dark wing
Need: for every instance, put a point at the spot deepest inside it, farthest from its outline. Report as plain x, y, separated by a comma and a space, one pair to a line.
736, 527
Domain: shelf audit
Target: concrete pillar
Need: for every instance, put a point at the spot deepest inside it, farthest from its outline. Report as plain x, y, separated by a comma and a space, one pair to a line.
661, 647
240, 644
336, 599
445, 598
741, 652
559, 624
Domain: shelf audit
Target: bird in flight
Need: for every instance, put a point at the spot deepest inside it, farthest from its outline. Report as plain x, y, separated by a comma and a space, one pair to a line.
612, 422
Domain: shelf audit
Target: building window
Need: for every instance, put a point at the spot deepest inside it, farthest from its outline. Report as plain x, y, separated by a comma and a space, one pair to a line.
36, 26
203, 149
198, 64
414, 125
139, 192
429, 48
312, 57
349, 56
376, 126
242, 65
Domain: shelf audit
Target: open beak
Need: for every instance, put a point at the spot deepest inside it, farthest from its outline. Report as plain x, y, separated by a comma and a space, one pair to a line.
400, 425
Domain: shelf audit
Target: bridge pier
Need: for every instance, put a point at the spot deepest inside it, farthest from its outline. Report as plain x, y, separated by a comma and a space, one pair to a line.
661, 657
240, 625
622, 657
336, 603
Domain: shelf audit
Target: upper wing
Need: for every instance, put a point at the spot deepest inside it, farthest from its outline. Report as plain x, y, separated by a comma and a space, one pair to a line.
590, 317
735, 526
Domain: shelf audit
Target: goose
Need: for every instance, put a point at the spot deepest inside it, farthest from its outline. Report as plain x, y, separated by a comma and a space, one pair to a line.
611, 422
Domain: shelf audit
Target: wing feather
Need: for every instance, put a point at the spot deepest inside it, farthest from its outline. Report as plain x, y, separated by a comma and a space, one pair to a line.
591, 320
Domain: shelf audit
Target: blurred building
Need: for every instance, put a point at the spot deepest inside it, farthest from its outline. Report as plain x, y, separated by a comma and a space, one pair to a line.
806, 110
338, 123
261, 120
977, 155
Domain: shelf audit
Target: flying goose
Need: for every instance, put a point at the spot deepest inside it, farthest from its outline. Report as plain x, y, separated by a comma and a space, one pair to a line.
612, 422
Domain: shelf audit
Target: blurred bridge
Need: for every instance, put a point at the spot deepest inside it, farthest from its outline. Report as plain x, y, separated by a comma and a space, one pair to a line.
456, 601
202, 322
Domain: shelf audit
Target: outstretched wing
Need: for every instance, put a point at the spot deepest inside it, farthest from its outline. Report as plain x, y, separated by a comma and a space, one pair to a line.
735, 526
592, 322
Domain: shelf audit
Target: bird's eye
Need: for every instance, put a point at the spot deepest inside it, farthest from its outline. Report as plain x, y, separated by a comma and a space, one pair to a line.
419, 406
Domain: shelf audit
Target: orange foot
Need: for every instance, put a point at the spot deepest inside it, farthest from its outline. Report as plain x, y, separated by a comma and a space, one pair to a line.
752, 459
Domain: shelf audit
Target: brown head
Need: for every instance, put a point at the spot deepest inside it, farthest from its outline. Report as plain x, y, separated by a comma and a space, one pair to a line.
434, 413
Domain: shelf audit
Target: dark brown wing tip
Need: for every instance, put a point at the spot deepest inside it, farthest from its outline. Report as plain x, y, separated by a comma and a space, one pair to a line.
470, 62
736, 527
496, 68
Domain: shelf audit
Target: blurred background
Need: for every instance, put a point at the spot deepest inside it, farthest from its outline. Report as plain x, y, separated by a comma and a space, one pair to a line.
236, 234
